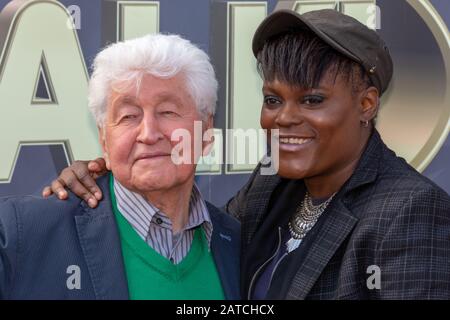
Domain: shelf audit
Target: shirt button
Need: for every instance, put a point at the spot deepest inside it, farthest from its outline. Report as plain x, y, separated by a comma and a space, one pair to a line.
159, 220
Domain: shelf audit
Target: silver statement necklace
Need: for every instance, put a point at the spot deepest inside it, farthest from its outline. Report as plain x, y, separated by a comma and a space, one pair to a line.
304, 219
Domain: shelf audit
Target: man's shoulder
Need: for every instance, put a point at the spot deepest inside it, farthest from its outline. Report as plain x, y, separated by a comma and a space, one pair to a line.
24, 210
28, 206
32, 207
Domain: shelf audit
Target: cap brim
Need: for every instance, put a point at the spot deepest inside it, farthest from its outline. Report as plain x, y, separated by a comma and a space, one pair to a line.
282, 21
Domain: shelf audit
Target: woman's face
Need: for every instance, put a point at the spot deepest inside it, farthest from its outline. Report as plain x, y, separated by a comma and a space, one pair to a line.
320, 131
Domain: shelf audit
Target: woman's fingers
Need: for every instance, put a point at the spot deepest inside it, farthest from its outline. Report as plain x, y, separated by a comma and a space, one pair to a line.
47, 192
77, 184
87, 178
98, 165
78, 179
97, 168
81, 181
57, 187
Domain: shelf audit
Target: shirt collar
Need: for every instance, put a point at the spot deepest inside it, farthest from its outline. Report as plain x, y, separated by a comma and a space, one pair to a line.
140, 213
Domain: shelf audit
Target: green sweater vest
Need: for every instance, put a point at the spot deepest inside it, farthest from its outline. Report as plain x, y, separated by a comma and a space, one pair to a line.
152, 276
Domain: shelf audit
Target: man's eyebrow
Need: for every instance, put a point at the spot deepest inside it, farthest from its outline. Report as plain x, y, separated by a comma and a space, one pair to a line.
127, 99
160, 97
168, 96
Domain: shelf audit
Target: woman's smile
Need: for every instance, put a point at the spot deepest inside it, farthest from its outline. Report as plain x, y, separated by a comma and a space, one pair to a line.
294, 144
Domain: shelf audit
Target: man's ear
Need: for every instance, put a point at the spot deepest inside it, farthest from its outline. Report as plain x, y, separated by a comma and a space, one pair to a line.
369, 104
102, 140
208, 138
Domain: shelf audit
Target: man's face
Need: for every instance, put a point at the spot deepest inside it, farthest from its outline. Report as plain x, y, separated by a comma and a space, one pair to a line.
136, 136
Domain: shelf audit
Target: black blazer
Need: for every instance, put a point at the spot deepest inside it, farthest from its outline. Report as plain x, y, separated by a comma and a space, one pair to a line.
386, 215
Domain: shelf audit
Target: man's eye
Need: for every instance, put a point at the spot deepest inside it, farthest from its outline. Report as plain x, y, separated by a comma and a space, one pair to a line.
313, 100
169, 113
128, 117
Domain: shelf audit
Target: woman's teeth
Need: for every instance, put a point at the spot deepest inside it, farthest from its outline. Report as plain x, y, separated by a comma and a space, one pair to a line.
294, 140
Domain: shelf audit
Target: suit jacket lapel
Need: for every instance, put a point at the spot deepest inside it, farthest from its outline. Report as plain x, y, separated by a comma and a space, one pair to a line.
225, 251
100, 242
257, 201
336, 226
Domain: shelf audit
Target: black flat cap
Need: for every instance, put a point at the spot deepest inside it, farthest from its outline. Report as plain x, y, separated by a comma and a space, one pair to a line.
342, 32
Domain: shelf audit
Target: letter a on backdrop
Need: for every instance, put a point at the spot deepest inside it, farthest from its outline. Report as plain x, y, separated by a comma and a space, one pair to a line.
43, 83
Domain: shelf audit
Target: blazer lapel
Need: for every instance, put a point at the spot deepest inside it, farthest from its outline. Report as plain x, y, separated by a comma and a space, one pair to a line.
100, 242
257, 201
225, 244
336, 226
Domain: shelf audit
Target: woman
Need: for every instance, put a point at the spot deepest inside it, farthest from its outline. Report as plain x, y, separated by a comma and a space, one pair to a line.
345, 218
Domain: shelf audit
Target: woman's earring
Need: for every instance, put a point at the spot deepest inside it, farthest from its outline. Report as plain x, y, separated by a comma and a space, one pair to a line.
365, 123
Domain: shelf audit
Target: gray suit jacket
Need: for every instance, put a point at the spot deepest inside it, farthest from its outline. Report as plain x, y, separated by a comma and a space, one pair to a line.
387, 215
41, 239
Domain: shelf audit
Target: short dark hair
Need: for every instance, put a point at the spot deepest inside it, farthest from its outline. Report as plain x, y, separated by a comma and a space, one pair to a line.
300, 58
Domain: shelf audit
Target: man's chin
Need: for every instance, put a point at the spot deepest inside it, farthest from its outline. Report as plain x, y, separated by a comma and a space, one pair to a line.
145, 184
152, 166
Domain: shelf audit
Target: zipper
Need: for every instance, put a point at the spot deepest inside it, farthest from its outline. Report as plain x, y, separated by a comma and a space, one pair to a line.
264, 264
276, 266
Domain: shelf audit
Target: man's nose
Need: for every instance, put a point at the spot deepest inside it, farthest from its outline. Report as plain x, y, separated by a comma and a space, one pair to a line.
289, 114
149, 130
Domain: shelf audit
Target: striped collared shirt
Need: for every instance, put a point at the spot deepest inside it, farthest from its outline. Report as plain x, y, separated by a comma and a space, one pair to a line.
155, 228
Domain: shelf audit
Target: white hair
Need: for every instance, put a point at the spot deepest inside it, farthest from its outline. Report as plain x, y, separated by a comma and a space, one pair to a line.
162, 56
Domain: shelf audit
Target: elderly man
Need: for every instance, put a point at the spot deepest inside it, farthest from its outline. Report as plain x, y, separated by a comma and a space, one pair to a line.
153, 237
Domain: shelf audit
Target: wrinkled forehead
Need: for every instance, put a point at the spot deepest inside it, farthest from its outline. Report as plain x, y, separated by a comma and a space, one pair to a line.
147, 89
